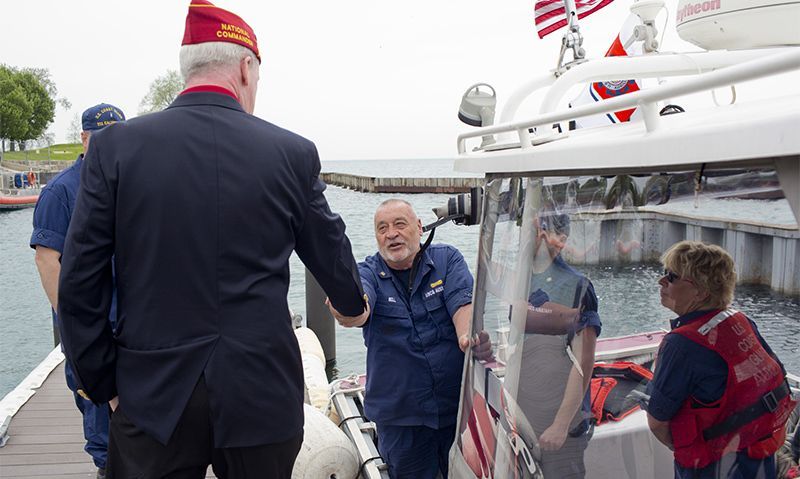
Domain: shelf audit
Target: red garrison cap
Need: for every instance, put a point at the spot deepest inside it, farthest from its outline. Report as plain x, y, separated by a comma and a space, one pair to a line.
206, 22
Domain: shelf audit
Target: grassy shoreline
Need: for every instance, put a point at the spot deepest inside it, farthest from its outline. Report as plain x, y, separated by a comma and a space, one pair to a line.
59, 152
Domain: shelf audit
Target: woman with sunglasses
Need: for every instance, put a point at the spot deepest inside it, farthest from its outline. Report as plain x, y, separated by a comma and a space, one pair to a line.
719, 398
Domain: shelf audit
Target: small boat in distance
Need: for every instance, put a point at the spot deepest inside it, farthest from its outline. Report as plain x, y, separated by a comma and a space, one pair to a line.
18, 189
25, 199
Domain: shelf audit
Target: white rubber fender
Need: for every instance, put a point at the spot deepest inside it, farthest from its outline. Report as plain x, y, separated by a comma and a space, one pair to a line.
326, 451
313, 368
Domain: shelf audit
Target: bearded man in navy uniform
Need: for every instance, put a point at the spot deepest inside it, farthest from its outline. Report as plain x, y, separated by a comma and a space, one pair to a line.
200, 206
421, 298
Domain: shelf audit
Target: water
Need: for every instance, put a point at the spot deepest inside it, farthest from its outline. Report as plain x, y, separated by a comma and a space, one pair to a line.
628, 294
26, 332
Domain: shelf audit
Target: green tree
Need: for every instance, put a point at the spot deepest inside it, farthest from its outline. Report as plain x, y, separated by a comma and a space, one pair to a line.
162, 92
43, 74
15, 108
44, 107
27, 103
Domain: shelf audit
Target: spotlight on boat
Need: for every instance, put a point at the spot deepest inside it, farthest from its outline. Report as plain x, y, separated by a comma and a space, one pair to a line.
477, 109
463, 209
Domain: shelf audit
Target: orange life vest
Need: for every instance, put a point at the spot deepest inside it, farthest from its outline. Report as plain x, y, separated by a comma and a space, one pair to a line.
751, 415
611, 386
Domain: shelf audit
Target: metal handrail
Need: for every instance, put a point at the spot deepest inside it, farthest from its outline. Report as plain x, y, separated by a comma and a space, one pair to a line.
646, 99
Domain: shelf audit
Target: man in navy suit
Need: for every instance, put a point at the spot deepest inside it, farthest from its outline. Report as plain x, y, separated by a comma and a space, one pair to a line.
200, 206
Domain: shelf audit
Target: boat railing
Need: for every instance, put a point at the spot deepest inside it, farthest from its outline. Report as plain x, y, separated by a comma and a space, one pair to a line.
780, 61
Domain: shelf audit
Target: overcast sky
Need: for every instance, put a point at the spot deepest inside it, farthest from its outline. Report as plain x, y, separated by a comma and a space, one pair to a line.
364, 79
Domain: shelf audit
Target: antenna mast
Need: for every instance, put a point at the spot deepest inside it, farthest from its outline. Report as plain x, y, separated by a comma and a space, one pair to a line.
572, 39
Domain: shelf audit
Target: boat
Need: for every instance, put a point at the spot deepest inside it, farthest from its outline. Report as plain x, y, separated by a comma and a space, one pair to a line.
21, 190
659, 153
17, 201
667, 153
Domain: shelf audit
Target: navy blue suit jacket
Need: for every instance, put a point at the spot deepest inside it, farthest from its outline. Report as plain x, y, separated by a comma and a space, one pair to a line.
201, 206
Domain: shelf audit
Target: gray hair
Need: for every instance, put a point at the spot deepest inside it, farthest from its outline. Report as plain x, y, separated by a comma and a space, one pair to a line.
395, 200
212, 56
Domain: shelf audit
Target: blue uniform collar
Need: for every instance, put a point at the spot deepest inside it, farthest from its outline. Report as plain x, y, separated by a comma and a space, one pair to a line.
427, 264
385, 272
687, 318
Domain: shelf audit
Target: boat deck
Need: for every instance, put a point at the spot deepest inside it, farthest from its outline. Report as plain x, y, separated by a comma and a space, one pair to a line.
46, 436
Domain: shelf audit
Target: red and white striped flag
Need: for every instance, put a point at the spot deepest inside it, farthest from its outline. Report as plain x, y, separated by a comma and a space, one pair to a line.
623, 45
550, 15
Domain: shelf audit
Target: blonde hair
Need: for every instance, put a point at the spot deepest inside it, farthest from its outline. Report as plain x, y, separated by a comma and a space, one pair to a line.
710, 267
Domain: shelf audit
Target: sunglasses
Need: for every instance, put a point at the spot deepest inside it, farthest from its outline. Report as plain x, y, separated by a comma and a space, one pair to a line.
671, 276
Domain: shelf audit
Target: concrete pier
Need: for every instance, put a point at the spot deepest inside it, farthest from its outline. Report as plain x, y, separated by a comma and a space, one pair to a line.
764, 253
371, 184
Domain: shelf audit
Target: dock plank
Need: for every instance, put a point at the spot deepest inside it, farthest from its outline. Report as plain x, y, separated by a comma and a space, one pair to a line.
46, 437
52, 458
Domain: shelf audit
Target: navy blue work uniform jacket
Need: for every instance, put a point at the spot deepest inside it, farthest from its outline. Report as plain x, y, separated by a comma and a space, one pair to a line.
201, 206
414, 363
683, 369
52, 216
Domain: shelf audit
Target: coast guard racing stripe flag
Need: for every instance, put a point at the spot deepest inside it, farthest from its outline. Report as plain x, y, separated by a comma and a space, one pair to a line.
550, 15
623, 45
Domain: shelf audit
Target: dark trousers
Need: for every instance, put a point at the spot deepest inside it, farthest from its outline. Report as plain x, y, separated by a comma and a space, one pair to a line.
415, 452
190, 450
95, 421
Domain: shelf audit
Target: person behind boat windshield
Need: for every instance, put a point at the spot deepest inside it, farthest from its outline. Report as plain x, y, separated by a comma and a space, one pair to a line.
51, 219
415, 338
201, 206
561, 330
718, 398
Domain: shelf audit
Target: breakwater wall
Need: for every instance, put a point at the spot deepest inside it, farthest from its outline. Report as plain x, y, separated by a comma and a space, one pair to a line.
372, 184
764, 253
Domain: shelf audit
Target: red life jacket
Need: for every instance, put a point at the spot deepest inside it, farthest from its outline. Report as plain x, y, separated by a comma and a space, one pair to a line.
751, 415
611, 387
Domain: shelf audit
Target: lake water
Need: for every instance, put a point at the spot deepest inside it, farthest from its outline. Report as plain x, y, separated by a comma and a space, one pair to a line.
628, 295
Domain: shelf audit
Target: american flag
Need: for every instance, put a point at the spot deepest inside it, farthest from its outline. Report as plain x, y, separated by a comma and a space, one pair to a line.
550, 15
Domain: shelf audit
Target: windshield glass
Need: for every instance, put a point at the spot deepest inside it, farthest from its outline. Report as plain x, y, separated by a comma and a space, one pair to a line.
571, 296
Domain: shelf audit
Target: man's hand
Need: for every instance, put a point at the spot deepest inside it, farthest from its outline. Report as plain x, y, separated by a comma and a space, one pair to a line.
349, 321
552, 439
114, 403
481, 346
464, 342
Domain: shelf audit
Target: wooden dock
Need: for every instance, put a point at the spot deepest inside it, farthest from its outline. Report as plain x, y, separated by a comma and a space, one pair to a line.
46, 436
372, 184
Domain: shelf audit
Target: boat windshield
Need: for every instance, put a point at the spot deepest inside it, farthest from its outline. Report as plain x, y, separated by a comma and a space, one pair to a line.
565, 260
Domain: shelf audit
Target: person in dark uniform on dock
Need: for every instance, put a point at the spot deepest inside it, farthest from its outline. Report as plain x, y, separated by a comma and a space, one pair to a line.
51, 220
421, 303
200, 205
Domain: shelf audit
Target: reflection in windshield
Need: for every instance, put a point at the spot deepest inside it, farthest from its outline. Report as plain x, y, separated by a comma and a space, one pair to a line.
549, 249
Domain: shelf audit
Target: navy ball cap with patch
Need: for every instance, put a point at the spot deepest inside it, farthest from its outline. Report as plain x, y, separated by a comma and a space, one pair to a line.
100, 116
